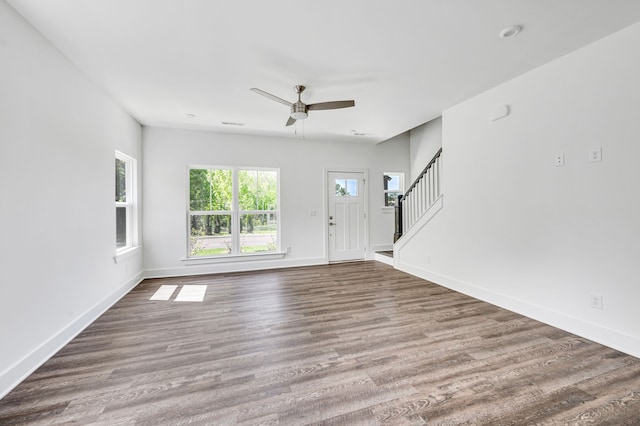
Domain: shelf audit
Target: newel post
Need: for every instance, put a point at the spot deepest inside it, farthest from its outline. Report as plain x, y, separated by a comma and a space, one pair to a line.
398, 212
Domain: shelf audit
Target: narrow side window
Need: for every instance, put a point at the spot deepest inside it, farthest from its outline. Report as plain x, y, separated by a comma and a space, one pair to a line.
393, 184
125, 202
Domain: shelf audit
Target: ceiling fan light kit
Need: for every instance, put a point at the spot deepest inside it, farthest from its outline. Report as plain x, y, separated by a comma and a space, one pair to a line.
300, 110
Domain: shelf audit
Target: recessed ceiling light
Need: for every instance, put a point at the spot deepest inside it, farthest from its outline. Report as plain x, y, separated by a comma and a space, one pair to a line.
510, 31
190, 116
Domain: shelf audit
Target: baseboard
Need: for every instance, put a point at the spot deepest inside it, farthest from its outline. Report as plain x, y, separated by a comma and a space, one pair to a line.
595, 332
382, 258
15, 374
218, 268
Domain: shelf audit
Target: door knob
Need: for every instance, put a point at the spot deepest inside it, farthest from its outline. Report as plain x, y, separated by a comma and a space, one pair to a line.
331, 223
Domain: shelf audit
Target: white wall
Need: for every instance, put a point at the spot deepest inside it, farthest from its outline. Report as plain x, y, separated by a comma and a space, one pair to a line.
58, 136
522, 233
424, 142
302, 163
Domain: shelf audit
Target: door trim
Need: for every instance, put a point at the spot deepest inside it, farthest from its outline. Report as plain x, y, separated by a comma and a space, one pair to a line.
325, 206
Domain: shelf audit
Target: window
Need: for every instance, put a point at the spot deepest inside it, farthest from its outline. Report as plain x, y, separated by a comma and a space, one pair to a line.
346, 187
393, 186
125, 202
233, 211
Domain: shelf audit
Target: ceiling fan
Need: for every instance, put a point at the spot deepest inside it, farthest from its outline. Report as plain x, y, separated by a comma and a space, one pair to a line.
300, 110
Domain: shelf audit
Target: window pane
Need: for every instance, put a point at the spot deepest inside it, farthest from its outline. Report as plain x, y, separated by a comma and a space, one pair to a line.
346, 187
258, 232
210, 235
121, 227
352, 187
392, 182
121, 181
210, 189
258, 190
391, 198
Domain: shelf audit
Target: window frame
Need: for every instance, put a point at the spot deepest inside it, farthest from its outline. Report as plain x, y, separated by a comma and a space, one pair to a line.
235, 213
400, 189
130, 205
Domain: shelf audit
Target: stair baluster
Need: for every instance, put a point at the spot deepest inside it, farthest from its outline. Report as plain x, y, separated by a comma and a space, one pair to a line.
422, 193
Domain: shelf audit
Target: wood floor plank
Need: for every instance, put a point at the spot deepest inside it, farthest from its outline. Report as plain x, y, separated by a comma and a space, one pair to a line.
358, 343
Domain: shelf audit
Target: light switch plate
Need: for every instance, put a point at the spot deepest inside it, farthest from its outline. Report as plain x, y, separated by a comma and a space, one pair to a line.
559, 159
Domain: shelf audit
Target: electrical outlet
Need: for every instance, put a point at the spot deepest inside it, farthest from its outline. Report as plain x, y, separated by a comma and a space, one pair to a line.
289, 249
559, 159
595, 154
596, 301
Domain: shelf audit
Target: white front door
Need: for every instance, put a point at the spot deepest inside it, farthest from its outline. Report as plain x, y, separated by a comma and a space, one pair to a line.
346, 216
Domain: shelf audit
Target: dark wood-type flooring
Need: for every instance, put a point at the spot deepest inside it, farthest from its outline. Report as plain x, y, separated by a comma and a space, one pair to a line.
347, 344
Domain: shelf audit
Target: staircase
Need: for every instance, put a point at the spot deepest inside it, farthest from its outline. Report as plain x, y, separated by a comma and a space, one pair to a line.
419, 198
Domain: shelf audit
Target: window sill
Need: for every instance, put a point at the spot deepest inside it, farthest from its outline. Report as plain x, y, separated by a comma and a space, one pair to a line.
127, 253
233, 258
387, 209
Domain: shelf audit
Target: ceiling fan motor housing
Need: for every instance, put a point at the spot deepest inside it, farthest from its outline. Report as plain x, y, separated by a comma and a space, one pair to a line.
299, 111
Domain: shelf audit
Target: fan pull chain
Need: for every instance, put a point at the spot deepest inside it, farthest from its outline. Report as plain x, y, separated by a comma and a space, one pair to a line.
295, 130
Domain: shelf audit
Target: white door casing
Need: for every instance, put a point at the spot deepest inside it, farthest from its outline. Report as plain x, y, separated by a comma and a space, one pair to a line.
346, 215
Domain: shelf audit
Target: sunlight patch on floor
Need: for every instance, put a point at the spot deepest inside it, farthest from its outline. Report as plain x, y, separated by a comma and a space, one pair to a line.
191, 293
164, 292
188, 293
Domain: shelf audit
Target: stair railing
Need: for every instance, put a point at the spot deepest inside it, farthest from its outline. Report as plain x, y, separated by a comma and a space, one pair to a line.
424, 191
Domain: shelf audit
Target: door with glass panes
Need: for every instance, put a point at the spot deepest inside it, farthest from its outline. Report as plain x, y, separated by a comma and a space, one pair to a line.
346, 216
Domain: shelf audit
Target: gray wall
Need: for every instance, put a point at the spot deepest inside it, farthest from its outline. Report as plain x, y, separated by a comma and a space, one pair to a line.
302, 164
58, 136
522, 233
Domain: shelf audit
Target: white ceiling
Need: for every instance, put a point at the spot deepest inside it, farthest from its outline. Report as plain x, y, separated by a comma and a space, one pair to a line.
402, 61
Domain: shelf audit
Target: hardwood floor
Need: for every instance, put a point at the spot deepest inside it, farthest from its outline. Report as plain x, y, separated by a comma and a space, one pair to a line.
347, 344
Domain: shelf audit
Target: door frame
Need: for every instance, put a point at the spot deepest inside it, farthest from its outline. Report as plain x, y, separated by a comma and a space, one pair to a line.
325, 205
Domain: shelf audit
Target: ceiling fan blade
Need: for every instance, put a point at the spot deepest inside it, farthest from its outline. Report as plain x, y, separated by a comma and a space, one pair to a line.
272, 97
290, 121
331, 105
